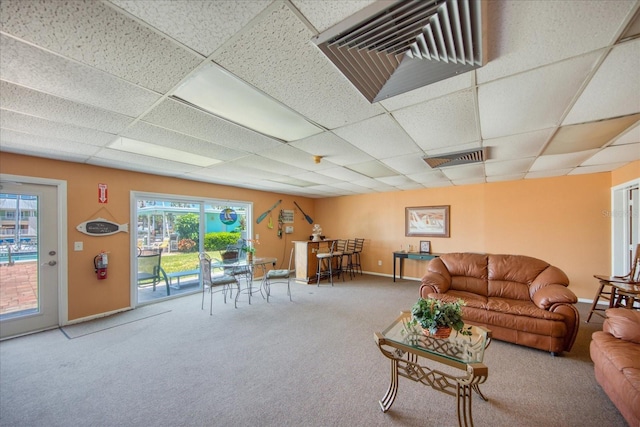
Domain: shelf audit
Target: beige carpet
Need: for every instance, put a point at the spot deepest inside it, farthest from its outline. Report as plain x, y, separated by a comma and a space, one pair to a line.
310, 362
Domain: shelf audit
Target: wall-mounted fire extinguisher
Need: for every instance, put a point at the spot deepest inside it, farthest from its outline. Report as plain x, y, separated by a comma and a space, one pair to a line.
100, 264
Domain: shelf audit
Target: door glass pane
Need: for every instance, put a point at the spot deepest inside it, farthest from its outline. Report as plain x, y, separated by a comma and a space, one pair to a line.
19, 284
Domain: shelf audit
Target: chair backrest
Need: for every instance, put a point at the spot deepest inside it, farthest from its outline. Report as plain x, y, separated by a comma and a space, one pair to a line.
231, 255
351, 246
341, 245
149, 264
359, 244
205, 268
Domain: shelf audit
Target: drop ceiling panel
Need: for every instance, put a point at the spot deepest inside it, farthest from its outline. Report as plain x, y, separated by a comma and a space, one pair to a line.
629, 137
548, 173
475, 171
379, 136
124, 48
581, 170
443, 122
372, 169
528, 34
407, 164
24, 100
10, 120
508, 167
286, 153
149, 133
182, 118
374, 184
614, 90
429, 92
310, 84
317, 177
615, 154
342, 174
521, 103
129, 161
517, 146
502, 178
331, 148
322, 16
560, 161
29, 66
264, 164
203, 26
14, 142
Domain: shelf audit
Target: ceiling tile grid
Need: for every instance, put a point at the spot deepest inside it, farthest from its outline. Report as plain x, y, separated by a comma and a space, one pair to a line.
558, 94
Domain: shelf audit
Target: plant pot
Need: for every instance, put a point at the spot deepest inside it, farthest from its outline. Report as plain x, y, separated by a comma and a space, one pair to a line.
442, 332
249, 256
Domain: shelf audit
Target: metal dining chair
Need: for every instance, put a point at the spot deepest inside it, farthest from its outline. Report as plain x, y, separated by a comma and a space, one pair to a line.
211, 279
279, 276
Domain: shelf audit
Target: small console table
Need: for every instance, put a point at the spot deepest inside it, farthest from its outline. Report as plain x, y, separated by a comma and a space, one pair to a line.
402, 255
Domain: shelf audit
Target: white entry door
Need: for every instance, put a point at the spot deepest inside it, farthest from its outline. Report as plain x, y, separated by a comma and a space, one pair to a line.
28, 258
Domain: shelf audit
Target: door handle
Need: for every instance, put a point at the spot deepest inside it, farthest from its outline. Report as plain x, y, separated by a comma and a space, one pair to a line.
51, 263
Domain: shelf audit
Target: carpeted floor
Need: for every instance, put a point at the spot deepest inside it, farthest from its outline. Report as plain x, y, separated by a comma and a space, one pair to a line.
310, 362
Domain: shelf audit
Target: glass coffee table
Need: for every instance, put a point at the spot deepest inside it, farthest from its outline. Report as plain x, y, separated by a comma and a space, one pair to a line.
406, 347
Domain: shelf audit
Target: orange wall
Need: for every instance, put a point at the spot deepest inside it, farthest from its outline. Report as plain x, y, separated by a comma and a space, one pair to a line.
558, 220
88, 296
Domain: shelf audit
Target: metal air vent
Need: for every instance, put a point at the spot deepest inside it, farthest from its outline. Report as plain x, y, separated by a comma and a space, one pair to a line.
388, 49
455, 159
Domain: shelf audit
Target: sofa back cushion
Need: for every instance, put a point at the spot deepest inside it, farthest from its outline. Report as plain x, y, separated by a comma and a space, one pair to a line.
468, 272
511, 275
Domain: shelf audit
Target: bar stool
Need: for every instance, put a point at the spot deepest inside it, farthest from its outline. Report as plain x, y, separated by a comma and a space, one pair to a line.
325, 264
338, 254
347, 255
356, 255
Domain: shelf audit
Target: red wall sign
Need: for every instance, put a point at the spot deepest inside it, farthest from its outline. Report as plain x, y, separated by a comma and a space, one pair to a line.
102, 193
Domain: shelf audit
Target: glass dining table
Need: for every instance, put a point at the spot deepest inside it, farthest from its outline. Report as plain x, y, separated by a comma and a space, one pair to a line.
249, 270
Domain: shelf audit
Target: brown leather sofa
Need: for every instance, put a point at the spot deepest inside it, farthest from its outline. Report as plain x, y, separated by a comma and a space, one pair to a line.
521, 299
615, 352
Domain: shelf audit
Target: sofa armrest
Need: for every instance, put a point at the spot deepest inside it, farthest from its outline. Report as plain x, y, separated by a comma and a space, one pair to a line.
549, 295
434, 283
623, 323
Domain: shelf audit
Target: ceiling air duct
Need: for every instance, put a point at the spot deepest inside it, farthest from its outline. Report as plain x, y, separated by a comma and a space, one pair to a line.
390, 48
455, 159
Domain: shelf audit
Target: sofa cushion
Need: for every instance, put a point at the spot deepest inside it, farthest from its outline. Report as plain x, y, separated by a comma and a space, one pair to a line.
468, 271
470, 299
521, 308
510, 275
623, 323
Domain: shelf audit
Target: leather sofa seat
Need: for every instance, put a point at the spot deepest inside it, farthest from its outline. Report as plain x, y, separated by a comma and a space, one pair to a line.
521, 299
615, 352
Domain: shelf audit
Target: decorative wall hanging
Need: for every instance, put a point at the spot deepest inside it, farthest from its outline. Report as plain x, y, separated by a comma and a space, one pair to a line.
427, 221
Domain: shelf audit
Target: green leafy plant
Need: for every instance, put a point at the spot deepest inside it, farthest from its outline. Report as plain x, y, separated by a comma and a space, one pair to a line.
431, 313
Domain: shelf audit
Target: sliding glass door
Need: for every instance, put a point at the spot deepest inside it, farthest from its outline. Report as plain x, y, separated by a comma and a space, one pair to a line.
170, 233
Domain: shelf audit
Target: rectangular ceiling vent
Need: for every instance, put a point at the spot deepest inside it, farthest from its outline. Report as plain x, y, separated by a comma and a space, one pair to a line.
390, 48
455, 159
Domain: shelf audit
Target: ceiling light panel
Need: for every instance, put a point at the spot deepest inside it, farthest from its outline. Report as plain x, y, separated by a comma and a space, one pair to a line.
157, 151
39, 104
224, 95
610, 92
520, 104
443, 122
43, 71
140, 163
179, 117
262, 56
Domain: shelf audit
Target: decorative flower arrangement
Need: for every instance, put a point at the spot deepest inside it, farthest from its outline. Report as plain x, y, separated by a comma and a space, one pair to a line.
249, 246
432, 314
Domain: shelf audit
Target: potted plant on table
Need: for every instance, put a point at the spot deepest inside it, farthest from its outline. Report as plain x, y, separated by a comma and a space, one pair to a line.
437, 318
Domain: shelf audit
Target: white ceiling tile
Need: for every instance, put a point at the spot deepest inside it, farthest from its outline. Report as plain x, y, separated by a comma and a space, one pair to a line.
190, 121
159, 136
316, 177
11, 141
547, 173
291, 155
581, 170
528, 34
517, 146
310, 84
446, 121
350, 188
614, 90
521, 103
29, 66
28, 124
560, 161
407, 164
202, 25
429, 92
508, 167
325, 14
372, 169
630, 136
615, 154
469, 181
24, 100
474, 171
379, 136
331, 148
114, 43
501, 178
342, 174
428, 178
396, 181
264, 164
374, 184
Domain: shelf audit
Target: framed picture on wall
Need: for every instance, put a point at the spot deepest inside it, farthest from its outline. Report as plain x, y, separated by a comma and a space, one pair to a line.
427, 221
425, 246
